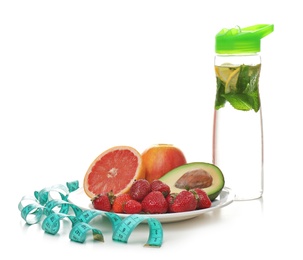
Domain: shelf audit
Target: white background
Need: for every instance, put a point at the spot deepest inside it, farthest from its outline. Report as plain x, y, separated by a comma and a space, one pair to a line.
77, 77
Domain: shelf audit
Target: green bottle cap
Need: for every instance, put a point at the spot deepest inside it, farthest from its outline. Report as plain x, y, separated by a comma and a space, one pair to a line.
242, 40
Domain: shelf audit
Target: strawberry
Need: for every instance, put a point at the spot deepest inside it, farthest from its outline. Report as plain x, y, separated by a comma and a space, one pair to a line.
132, 207
154, 203
160, 186
170, 200
184, 201
103, 201
139, 189
119, 202
202, 197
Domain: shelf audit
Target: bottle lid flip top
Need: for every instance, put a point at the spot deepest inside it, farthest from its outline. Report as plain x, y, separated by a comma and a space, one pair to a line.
242, 40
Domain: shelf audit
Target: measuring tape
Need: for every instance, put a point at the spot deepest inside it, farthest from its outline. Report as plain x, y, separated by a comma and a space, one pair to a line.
124, 229
52, 204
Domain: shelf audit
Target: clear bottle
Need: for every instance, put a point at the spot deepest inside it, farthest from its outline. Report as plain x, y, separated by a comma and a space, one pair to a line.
237, 129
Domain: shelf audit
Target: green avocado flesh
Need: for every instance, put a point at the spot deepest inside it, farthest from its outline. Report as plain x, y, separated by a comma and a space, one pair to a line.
202, 175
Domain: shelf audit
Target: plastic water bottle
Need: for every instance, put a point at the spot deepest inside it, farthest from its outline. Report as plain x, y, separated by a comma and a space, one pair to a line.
237, 130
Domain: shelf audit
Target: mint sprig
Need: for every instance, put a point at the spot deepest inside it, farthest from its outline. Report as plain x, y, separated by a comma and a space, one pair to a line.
245, 96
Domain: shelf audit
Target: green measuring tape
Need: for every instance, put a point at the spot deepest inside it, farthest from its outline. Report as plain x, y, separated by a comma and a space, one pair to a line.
51, 204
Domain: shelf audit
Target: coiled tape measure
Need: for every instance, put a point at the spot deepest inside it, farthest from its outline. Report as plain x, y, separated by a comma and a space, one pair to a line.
52, 209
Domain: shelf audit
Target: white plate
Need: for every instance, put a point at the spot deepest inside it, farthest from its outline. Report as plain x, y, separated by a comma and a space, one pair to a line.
80, 199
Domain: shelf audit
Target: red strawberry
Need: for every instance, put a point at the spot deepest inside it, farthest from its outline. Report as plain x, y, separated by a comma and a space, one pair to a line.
139, 189
184, 201
170, 200
202, 197
103, 201
132, 207
160, 186
119, 202
154, 203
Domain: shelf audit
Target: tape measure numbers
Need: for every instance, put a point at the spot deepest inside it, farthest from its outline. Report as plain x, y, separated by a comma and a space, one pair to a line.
126, 227
44, 204
79, 231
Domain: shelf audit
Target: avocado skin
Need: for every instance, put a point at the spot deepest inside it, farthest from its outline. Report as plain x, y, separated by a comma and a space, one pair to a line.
213, 196
213, 191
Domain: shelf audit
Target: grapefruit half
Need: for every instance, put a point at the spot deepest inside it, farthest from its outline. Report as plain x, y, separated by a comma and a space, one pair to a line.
113, 170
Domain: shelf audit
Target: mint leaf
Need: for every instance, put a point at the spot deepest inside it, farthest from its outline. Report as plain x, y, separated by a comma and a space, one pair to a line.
243, 79
243, 102
220, 100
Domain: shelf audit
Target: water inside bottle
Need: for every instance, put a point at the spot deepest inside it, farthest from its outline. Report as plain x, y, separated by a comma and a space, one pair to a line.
238, 150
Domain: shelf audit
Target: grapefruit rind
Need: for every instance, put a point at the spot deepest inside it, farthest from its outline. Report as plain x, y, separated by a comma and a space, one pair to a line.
93, 188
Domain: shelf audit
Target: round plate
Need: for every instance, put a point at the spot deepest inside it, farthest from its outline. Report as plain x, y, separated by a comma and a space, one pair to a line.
80, 199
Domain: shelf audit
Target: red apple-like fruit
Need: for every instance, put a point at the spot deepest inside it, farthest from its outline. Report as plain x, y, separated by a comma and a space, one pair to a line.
160, 159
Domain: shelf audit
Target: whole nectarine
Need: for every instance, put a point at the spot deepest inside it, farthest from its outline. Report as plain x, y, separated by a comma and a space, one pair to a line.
160, 159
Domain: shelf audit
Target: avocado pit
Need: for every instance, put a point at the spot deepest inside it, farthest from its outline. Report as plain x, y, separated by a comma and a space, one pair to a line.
196, 178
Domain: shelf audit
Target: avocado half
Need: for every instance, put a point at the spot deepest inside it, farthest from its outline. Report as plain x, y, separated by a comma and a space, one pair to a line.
202, 175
